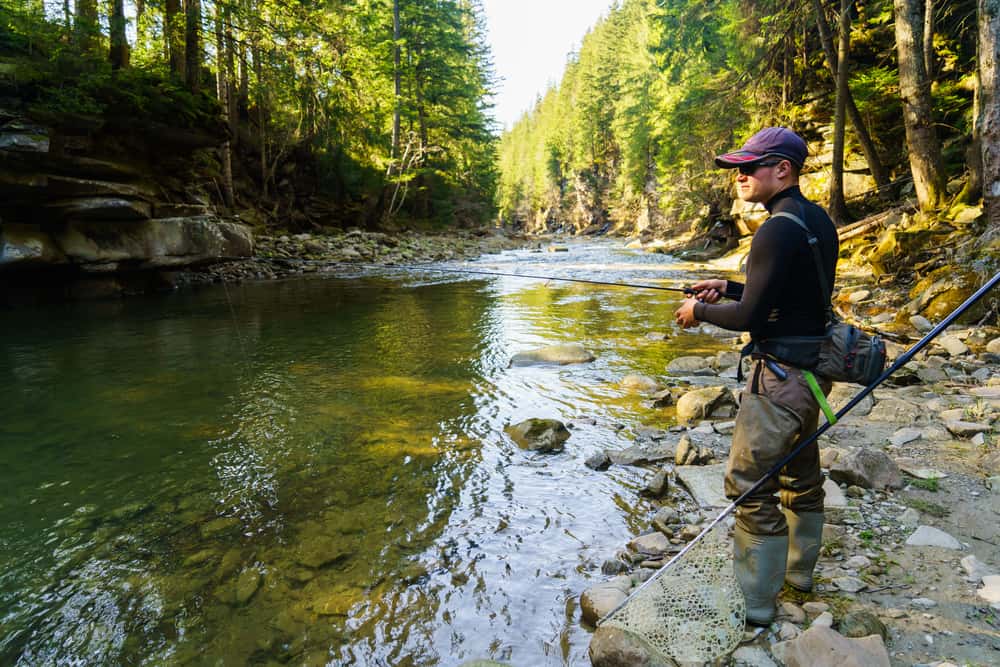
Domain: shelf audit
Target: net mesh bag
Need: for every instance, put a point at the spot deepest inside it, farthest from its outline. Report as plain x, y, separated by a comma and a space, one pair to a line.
693, 610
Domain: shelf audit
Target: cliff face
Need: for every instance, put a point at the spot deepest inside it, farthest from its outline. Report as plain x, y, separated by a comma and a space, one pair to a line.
85, 197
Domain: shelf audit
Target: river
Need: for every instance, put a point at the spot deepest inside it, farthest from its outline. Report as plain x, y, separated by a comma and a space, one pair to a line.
314, 471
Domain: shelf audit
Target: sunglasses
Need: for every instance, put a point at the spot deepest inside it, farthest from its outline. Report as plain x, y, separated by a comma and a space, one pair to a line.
749, 169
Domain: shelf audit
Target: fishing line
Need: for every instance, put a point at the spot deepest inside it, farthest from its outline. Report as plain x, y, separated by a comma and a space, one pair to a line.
423, 267
236, 325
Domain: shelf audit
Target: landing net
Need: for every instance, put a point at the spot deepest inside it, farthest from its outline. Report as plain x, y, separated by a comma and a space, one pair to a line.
693, 610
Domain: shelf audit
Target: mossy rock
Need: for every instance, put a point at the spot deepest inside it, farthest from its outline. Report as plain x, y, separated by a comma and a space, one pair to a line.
937, 295
862, 624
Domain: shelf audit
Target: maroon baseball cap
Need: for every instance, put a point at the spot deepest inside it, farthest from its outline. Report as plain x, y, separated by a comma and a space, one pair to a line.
769, 142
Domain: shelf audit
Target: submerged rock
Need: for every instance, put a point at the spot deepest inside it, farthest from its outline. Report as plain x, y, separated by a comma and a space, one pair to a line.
569, 353
539, 435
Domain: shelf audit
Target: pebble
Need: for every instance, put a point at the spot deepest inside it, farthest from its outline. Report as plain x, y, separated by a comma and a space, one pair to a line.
793, 612
975, 568
788, 631
923, 603
824, 620
858, 562
849, 584
815, 608
905, 435
921, 323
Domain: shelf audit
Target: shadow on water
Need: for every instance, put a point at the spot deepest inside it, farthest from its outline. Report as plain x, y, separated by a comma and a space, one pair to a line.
315, 471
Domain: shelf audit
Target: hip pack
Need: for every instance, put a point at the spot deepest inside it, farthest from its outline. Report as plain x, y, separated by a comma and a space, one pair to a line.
844, 354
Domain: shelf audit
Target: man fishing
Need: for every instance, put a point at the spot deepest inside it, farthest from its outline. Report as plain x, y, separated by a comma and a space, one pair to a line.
782, 297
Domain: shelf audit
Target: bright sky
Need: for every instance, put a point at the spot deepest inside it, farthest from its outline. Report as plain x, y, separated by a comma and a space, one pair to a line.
530, 40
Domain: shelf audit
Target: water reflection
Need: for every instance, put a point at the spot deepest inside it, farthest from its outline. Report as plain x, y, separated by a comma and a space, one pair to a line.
315, 471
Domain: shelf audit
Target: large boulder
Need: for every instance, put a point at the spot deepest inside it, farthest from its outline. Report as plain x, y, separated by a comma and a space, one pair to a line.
868, 468
539, 435
706, 403
142, 245
613, 647
155, 243
824, 647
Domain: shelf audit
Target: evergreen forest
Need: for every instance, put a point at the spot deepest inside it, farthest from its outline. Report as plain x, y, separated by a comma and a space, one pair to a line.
887, 90
365, 112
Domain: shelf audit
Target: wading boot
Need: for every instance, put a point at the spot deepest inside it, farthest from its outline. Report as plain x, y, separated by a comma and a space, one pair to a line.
759, 565
805, 536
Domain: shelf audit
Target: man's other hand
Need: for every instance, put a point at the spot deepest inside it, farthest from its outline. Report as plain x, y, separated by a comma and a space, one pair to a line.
685, 314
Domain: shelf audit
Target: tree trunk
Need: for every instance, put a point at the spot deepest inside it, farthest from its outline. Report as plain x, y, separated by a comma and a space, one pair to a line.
261, 95
915, 91
396, 78
875, 166
174, 28
243, 101
140, 24
67, 16
929, 38
988, 124
423, 199
224, 93
119, 44
230, 59
838, 207
87, 26
192, 43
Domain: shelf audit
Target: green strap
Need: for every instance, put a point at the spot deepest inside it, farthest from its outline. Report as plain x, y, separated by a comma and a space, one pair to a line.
820, 398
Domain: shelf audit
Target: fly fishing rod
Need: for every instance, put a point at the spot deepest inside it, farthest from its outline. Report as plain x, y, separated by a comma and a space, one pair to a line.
900, 362
423, 267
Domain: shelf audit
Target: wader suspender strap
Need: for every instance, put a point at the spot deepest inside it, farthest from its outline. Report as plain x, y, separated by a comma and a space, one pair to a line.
827, 295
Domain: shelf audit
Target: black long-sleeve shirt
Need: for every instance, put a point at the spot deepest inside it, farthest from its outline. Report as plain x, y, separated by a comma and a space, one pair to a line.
782, 295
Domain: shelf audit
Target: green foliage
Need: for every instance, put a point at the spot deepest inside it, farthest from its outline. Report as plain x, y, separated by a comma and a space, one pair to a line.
927, 507
925, 484
660, 87
312, 80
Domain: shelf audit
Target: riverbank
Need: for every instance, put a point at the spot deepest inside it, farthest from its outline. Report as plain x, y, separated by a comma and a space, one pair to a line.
290, 255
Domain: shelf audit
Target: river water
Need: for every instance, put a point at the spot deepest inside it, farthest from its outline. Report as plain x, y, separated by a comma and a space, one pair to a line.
314, 471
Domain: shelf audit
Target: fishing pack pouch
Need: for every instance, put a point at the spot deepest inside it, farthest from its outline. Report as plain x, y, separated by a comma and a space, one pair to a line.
799, 351
849, 354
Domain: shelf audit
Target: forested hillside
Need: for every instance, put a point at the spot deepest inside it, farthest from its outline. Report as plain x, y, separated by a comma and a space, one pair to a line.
886, 95
349, 112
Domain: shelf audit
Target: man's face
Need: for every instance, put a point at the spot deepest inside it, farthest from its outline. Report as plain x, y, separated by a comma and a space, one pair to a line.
760, 182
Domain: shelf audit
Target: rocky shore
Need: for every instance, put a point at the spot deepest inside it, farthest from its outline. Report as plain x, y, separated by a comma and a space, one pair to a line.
910, 567
911, 557
291, 255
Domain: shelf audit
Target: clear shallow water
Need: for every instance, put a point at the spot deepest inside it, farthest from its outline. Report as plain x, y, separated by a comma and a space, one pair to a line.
315, 472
